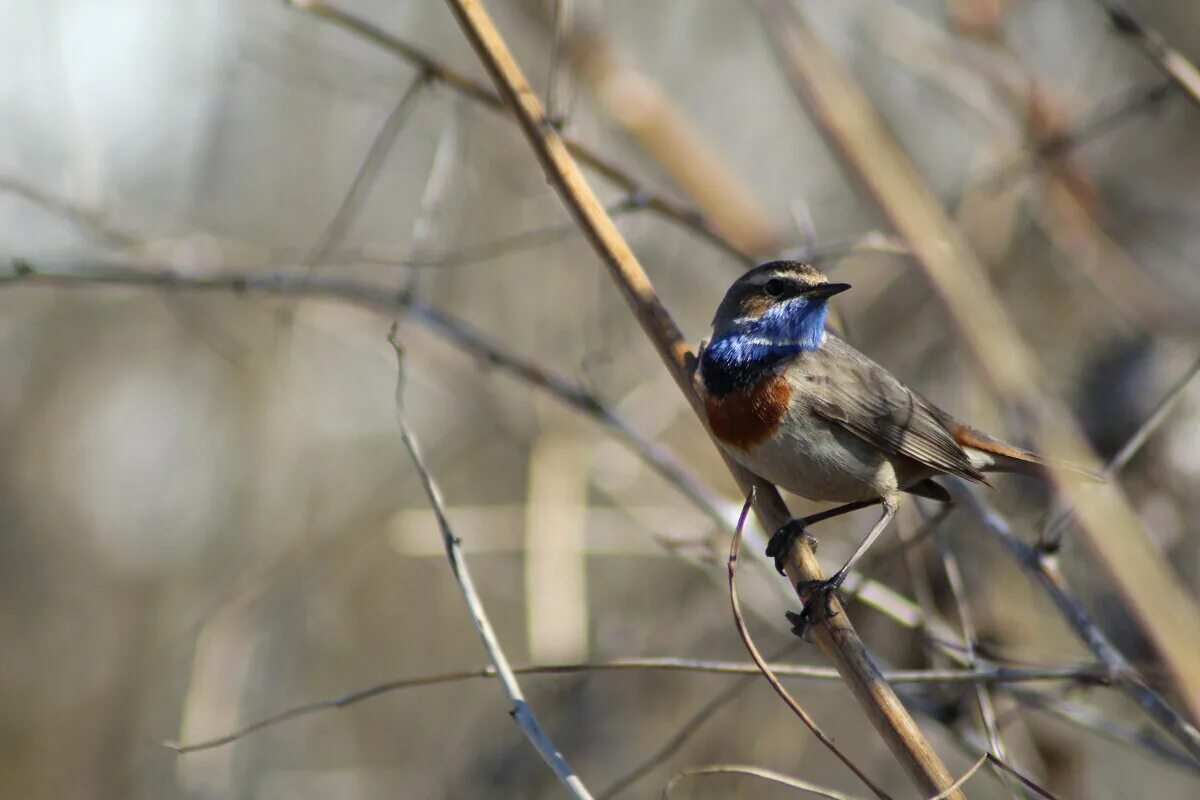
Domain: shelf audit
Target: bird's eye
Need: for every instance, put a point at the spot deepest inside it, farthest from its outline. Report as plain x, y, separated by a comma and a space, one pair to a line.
775, 287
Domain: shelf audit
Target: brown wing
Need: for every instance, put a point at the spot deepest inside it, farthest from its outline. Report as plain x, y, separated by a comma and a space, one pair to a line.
850, 389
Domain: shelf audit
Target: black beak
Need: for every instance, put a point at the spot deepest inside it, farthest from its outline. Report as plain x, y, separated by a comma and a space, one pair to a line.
827, 290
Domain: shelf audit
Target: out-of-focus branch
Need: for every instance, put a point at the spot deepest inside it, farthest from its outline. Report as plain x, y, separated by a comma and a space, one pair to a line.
1162, 606
521, 713
1155, 45
834, 635
648, 114
677, 212
1044, 570
90, 222
356, 195
1051, 534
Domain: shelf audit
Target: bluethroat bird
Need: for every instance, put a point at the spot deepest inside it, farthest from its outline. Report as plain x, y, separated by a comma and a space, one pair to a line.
801, 408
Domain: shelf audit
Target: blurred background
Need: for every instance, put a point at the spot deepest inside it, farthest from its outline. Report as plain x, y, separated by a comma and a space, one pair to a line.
206, 512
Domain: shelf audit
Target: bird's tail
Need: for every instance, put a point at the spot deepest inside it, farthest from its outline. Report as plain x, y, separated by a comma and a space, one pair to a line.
989, 454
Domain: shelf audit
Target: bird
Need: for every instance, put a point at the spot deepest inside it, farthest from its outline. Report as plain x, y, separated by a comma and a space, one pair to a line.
800, 407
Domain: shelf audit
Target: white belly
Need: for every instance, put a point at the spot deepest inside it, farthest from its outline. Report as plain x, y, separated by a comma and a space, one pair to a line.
814, 458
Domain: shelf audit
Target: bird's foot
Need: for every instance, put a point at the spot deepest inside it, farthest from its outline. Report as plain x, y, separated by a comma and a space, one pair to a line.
780, 544
818, 603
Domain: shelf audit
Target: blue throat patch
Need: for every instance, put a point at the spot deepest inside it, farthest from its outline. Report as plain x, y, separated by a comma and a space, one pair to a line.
739, 357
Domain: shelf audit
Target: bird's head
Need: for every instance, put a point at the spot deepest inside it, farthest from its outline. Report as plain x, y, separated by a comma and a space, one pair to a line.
769, 314
782, 302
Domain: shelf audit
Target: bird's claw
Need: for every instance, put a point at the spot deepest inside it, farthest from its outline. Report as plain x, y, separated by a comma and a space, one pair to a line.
819, 595
780, 544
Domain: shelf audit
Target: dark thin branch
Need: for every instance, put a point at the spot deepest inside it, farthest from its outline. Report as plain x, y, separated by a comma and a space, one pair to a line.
983, 698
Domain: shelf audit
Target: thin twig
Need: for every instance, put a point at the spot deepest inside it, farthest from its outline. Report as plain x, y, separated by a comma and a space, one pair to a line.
983, 698
688, 729
740, 622
1105, 726
89, 222
755, 772
1108, 114
835, 635
364, 178
679, 213
997, 675
521, 712
1028, 784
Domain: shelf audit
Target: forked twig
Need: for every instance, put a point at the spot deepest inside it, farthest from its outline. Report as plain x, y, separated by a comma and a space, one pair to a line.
521, 712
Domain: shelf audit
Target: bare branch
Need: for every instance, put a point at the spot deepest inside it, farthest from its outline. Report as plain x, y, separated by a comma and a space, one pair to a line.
835, 635
521, 712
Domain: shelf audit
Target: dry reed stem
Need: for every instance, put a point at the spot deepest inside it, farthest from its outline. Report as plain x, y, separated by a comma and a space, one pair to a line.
643, 108
835, 636
1165, 611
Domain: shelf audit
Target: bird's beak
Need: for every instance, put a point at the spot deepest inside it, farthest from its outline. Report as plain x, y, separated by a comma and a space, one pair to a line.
826, 290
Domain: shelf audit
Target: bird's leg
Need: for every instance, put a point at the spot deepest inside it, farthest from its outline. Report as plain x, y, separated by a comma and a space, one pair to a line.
780, 544
823, 591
